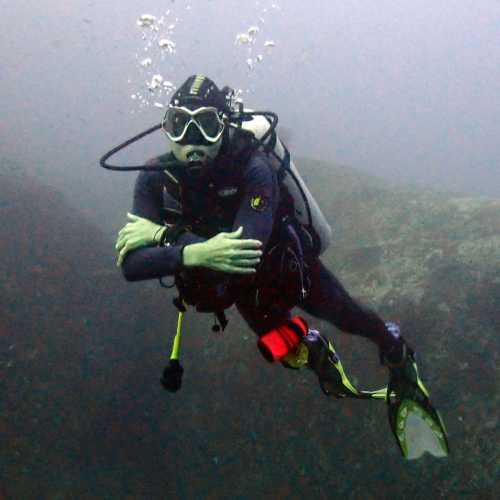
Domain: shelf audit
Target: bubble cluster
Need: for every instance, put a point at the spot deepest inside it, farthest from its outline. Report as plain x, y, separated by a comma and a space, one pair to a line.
249, 39
155, 59
157, 34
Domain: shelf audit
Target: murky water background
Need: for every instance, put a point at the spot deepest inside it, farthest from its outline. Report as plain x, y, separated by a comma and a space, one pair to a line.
82, 413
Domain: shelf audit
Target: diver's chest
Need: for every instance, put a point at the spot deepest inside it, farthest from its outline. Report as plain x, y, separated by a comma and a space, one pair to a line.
211, 198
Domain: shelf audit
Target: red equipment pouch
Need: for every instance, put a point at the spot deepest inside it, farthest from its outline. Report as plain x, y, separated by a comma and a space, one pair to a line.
277, 343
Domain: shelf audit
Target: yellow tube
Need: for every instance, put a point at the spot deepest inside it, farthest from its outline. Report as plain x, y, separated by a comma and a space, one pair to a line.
177, 339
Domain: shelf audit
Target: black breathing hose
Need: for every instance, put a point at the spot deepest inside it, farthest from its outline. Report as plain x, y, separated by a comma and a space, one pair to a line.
237, 116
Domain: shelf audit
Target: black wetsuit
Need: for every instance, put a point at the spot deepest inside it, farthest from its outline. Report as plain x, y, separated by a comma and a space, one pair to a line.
223, 198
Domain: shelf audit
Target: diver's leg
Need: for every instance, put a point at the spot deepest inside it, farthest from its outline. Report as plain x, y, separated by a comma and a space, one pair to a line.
406, 394
258, 319
330, 301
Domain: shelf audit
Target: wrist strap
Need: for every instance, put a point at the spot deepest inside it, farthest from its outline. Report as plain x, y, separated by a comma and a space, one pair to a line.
171, 234
156, 234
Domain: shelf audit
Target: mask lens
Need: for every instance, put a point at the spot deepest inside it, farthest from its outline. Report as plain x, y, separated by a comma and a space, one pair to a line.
210, 123
175, 122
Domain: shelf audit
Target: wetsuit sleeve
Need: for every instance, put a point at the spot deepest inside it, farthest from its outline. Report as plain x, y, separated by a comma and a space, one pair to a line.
259, 201
153, 262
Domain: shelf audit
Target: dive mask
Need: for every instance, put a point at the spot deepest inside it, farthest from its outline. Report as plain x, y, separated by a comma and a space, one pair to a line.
177, 120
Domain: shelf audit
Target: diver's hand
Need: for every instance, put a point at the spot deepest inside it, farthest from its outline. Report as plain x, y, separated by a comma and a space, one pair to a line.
225, 252
139, 232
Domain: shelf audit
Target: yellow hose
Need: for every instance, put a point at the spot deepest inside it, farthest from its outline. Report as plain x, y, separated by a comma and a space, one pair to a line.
177, 340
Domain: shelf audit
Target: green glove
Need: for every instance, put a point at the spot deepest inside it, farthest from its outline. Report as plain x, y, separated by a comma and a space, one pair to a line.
139, 232
224, 252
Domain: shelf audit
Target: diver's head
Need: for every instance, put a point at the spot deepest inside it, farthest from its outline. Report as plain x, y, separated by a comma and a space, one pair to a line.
194, 121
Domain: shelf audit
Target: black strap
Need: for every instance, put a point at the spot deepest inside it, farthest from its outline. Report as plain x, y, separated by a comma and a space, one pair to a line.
171, 235
284, 165
222, 319
178, 302
296, 329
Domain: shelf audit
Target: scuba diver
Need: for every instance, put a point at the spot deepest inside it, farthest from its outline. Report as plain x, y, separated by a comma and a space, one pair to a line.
226, 214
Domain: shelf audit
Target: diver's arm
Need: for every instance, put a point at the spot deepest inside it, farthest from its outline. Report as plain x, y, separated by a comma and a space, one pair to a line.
151, 261
260, 200
239, 251
224, 252
154, 262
